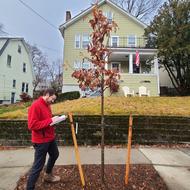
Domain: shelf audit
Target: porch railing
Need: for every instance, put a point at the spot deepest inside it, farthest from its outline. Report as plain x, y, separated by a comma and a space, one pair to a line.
124, 42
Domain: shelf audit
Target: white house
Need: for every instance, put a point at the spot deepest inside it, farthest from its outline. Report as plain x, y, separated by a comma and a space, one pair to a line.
16, 74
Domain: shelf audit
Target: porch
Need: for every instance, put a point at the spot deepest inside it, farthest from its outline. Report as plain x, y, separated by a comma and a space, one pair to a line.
147, 74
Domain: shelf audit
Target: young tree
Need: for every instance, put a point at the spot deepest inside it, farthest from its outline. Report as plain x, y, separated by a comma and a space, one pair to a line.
99, 76
40, 65
170, 32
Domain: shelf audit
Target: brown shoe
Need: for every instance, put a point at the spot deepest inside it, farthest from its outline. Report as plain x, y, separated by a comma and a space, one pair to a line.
51, 178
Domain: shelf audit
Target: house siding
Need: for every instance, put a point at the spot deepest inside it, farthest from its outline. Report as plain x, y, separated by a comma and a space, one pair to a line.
126, 25
15, 72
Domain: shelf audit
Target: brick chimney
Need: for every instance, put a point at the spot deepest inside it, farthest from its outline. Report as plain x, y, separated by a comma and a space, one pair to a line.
68, 15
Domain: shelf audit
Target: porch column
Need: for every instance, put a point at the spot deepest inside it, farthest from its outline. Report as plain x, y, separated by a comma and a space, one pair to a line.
156, 65
156, 72
130, 63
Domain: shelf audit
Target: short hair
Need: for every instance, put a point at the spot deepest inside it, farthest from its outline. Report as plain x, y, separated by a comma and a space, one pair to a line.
49, 91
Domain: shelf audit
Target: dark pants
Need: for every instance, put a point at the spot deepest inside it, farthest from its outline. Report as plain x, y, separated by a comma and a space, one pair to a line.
41, 151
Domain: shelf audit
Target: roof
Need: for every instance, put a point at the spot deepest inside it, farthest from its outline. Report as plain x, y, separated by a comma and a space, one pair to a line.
8, 39
88, 10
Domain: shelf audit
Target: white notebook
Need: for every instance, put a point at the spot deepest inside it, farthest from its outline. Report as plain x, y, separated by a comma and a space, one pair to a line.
59, 119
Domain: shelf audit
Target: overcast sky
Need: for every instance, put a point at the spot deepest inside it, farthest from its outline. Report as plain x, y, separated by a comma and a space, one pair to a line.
20, 21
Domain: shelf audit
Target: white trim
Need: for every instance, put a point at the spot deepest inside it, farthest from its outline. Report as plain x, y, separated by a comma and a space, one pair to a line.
130, 63
138, 74
70, 88
156, 72
122, 51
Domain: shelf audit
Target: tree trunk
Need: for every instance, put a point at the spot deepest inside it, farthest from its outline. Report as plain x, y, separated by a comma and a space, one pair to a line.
102, 128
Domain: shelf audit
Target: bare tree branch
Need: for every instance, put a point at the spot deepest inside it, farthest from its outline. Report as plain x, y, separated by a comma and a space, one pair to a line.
40, 65
140, 8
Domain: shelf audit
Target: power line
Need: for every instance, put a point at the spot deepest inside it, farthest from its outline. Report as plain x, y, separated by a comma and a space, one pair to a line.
3, 32
35, 12
40, 45
51, 49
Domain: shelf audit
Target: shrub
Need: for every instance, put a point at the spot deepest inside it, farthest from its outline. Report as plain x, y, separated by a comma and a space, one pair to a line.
68, 96
25, 97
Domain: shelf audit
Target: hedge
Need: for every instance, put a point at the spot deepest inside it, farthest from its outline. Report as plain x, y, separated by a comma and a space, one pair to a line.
68, 96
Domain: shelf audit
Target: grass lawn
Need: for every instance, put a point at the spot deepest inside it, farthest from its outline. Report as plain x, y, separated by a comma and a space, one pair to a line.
166, 106
13, 107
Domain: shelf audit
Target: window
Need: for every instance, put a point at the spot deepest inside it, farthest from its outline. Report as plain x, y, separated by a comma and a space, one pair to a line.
19, 48
86, 65
77, 65
115, 66
85, 40
114, 41
77, 41
109, 16
9, 60
27, 88
24, 67
23, 86
14, 83
131, 41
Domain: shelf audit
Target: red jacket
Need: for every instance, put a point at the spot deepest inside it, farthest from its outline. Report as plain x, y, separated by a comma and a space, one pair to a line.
39, 119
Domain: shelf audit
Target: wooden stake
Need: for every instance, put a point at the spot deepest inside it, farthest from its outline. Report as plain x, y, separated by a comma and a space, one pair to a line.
76, 150
128, 149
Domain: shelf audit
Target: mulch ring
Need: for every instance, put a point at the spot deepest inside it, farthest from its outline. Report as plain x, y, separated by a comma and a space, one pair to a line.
141, 177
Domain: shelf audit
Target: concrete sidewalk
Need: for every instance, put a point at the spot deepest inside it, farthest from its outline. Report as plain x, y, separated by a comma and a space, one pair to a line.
173, 165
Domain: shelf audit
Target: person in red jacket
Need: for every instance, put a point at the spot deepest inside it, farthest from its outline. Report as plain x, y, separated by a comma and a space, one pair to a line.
43, 138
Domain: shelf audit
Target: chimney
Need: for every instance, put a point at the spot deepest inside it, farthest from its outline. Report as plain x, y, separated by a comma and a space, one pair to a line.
68, 15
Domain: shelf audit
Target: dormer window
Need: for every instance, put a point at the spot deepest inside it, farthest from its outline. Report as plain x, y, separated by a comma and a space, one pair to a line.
109, 16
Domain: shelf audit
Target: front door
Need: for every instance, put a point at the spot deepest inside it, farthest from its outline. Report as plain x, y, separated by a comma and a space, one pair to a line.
12, 97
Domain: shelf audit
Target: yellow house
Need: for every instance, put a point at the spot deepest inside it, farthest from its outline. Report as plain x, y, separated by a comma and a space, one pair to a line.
128, 39
16, 74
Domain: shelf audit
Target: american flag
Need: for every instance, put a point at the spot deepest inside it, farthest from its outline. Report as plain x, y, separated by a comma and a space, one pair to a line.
137, 59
